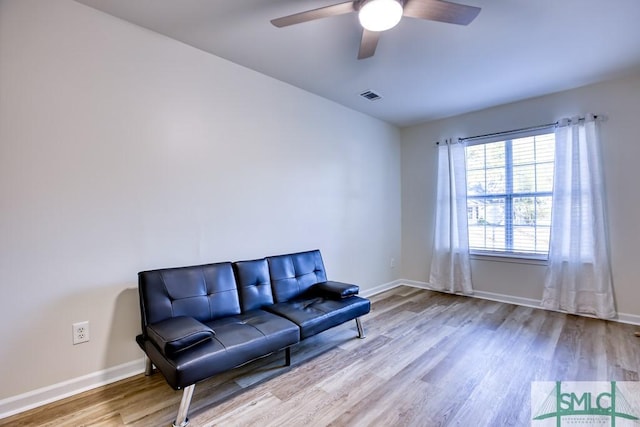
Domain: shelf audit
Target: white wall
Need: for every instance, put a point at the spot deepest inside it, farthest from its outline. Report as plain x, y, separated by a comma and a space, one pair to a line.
122, 150
619, 100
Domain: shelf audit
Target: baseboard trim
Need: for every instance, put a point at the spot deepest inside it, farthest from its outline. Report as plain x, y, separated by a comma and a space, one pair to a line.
416, 284
42, 396
631, 319
381, 288
526, 302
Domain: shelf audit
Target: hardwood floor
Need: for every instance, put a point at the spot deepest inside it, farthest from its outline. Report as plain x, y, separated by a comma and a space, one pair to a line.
429, 359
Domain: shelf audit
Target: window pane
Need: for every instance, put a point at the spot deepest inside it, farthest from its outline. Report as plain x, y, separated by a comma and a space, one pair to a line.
475, 157
523, 151
524, 239
495, 154
495, 238
524, 211
545, 148
476, 212
544, 177
494, 211
475, 183
496, 181
484, 211
509, 185
524, 179
477, 236
542, 239
543, 211
486, 223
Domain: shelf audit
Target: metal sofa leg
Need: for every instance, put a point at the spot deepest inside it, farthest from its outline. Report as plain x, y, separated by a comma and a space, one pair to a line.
287, 356
148, 366
181, 419
360, 328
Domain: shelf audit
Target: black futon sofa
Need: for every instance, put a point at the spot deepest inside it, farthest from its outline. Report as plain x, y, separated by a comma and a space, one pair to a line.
201, 320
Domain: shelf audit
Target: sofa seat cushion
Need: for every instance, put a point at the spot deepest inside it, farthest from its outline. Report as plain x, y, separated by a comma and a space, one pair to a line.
238, 339
314, 315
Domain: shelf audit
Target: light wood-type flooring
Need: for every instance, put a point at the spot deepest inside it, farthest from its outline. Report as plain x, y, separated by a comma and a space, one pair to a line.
429, 359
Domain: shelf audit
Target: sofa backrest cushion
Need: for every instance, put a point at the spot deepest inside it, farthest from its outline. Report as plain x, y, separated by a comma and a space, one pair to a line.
204, 292
292, 274
254, 284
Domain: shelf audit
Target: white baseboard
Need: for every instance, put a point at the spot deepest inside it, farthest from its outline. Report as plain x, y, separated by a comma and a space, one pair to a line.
416, 284
527, 302
631, 319
42, 396
366, 293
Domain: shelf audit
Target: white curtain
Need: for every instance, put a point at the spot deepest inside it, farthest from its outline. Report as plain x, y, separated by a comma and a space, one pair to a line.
578, 278
450, 266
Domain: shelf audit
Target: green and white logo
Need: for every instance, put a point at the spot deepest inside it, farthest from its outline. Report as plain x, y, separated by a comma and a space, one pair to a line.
585, 404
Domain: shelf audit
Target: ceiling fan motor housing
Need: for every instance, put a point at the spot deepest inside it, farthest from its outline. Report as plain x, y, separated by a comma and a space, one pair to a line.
357, 4
380, 15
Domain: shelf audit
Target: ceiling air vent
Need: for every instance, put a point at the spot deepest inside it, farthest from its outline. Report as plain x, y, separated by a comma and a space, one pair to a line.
370, 95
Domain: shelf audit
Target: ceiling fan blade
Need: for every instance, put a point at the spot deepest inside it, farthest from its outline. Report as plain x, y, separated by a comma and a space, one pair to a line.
368, 43
310, 15
442, 11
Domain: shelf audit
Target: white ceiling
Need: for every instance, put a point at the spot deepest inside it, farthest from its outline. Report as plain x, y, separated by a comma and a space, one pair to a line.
515, 49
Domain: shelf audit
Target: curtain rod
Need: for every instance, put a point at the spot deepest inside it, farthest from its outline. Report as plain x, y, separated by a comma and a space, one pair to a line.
506, 132
487, 135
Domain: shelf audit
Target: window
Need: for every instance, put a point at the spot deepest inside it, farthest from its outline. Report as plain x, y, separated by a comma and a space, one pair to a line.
509, 187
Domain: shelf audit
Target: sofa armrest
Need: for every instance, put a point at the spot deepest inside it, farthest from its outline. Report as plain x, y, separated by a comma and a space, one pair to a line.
335, 290
178, 333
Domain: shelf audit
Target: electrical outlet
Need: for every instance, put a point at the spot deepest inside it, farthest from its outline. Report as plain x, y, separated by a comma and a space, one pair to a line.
392, 263
80, 332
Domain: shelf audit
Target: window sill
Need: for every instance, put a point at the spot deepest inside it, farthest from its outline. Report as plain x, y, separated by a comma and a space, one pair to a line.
509, 258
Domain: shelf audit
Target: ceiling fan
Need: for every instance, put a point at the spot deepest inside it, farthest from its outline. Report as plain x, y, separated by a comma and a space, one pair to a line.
380, 15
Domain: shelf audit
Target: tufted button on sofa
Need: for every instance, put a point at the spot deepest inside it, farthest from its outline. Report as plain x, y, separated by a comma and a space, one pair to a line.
202, 320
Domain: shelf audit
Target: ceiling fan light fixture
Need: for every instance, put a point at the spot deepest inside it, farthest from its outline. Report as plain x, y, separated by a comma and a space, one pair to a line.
380, 15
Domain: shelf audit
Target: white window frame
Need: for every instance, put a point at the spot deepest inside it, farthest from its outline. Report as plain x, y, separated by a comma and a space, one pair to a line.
508, 195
